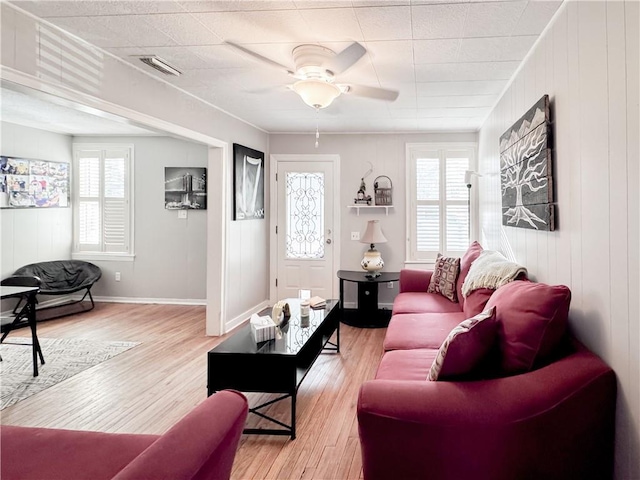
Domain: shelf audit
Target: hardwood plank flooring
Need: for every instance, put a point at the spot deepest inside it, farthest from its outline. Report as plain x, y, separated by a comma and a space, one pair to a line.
150, 387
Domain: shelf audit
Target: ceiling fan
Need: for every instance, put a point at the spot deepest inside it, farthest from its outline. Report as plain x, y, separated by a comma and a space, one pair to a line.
315, 70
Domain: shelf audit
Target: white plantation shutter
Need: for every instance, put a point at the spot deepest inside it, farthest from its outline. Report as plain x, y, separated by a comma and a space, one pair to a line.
102, 212
115, 202
438, 196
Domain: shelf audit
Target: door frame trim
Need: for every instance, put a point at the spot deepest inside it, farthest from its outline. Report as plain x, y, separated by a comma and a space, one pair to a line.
274, 160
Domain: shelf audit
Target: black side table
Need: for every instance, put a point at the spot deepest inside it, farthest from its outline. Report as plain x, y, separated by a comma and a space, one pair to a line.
367, 315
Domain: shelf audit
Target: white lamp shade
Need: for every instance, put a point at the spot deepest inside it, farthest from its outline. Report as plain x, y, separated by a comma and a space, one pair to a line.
316, 93
373, 233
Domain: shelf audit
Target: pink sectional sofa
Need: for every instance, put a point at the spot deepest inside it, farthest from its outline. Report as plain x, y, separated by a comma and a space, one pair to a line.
201, 446
538, 405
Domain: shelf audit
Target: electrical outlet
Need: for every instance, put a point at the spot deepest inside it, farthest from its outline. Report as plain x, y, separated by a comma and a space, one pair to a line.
355, 235
389, 284
182, 214
117, 276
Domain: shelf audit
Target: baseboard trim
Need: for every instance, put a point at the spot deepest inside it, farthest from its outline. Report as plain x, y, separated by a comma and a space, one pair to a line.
157, 301
244, 317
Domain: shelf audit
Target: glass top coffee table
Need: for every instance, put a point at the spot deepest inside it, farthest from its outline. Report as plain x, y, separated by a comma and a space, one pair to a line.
274, 366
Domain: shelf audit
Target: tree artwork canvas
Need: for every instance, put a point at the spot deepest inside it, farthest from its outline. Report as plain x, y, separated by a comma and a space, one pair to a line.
525, 171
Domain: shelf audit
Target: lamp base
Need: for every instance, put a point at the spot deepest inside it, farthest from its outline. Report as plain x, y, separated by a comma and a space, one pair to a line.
372, 275
372, 262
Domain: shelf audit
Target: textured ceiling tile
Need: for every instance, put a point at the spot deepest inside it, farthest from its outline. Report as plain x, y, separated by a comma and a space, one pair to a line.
457, 101
385, 23
259, 27
436, 51
78, 8
332, 24
300, 4
495, 48
438, 21
465, 71
134, 28
493, 19
379, 3
183, 28
92, 31
393, 61
236, 5
536, 17
222, 56
483, 87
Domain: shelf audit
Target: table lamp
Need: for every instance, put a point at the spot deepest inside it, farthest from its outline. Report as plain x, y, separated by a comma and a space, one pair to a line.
372, 261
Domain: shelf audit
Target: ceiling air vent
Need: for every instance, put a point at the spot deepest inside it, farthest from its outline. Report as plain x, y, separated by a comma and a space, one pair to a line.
156, 62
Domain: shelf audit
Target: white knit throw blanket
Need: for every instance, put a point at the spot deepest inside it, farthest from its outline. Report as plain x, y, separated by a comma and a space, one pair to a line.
490, 270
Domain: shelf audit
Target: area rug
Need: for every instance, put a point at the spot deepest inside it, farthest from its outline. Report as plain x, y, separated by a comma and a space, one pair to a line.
64, 358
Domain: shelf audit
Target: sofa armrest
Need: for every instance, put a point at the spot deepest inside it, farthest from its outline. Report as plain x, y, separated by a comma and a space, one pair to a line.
554, 423
201, 446
412, 280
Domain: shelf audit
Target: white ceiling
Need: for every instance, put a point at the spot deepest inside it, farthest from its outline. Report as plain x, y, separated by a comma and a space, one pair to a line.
449, 59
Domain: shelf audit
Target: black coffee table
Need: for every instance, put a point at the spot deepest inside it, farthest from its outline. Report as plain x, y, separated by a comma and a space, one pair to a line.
274, 366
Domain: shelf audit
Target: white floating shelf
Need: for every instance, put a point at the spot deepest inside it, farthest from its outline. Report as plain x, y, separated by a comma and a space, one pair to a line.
357, 208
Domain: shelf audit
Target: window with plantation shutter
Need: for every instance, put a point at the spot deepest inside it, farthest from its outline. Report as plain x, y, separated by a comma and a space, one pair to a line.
438, 200
102, 201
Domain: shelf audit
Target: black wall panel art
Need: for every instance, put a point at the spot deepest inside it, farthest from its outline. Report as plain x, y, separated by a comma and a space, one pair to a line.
525, 171
248, 183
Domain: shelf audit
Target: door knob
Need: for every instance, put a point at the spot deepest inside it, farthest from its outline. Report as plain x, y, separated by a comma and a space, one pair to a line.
328, 241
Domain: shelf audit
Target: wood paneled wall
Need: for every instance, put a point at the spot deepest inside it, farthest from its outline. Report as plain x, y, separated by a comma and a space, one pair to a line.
587, 61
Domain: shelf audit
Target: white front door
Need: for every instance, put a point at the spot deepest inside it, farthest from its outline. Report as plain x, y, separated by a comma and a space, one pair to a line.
305, 230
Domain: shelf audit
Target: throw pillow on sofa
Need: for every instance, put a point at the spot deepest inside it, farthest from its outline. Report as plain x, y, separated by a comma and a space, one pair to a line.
470, 256
445, 274
465, 346
532, 319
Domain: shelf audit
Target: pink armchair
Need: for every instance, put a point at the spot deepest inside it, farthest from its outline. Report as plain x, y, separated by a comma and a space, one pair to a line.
201, 446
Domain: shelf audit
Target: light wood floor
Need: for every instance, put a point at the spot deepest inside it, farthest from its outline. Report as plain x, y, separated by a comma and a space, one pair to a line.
150, 387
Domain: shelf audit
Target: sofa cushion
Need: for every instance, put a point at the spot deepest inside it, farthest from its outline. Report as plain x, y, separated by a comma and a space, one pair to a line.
473, 252
406, 364
465, 346
532, 318
423, 302
476, 301
445, 274
420, 330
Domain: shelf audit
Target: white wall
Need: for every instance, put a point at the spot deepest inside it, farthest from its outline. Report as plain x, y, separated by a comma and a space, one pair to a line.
171, 253
387, 154
588, 63
118, 87
32, 235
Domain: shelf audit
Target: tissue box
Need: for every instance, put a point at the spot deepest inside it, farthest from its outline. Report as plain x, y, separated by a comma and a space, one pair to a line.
262, 333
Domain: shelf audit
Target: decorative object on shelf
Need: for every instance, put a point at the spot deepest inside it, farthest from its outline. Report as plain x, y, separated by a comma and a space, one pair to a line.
383, 190
248, 183
361, 197
185, 188
372, 261
28, 183
525, 171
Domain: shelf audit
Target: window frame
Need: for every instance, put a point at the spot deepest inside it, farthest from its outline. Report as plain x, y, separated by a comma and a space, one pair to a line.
420, 150
100, 255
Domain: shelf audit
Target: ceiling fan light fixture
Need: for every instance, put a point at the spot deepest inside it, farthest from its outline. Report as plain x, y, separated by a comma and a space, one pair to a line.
316, 93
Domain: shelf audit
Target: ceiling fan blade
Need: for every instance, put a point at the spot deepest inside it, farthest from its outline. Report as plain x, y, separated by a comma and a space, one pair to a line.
373, 92
345, 59
260, 58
